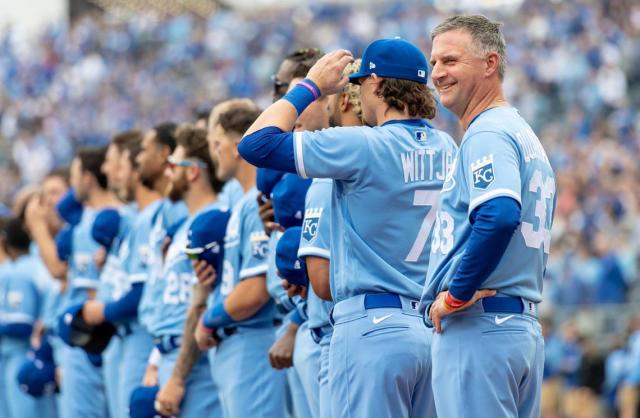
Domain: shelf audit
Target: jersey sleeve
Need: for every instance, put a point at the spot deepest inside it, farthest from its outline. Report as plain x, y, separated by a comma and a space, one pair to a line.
316, 226
23, 302
492, 168
337, 153
137, 263
255, 244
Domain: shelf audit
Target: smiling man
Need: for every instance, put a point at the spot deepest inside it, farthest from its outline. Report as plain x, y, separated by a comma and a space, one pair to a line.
491, 232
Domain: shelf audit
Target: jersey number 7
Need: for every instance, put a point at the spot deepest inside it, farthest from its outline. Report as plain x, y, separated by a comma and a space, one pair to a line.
430, 199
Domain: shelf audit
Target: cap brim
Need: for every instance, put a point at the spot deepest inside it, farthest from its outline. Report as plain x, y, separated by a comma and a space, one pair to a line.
354, 78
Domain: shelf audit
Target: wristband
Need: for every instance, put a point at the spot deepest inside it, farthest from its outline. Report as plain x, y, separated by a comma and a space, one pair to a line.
155, 357
302, 95
216, 317
452, 303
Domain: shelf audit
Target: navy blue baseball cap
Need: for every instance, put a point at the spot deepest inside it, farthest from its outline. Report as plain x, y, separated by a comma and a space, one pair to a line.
37, 377
206, 238
290, 267
266, 180
288, 200
64, 243
393, 58
141, 403
69, 209
75, 332
106, 226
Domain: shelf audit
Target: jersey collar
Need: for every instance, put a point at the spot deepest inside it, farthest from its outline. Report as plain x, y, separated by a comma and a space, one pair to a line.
411, 122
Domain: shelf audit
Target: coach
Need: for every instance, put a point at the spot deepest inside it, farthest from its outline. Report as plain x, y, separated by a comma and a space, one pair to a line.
492, 231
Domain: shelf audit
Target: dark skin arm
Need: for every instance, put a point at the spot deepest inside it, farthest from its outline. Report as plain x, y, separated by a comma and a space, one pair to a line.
318, 270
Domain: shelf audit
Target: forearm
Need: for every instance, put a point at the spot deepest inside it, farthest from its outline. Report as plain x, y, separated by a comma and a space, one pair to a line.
48, 252
493, 225
280, 114
318, 270
246, 299
125, 307
189, 351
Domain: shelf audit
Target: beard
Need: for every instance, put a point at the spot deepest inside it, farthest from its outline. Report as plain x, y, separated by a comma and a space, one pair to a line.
177, 189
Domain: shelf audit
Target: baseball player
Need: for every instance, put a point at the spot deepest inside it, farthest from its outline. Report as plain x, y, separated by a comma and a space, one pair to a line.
82, 382
344, 110
394, 170
19, 309
184, 377
491, 236
130, 270
243, 313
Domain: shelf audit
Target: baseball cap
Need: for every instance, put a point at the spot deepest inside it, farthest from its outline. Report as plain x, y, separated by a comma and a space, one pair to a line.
290, 267
141, 403
37, 377
288, 198
69, 209
206, 237
64, 242
75, 332
393, 58
266, 179
106, 226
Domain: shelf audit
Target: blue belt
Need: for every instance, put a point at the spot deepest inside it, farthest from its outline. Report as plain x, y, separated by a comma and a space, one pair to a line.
382, 300
509, 304
318, 333
167, 343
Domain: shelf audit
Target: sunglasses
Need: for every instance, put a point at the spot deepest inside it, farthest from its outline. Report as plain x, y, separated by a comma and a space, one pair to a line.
172, 162
195, 253
279, 87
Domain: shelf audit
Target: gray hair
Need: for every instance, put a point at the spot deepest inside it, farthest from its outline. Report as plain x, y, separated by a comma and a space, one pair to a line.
486, 34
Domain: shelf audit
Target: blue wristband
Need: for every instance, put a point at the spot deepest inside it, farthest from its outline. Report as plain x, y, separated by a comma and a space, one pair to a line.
217, 317
302, 95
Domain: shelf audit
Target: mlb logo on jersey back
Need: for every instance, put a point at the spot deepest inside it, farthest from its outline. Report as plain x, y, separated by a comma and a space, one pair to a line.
421, 136
259, 244
311, 221
482, 172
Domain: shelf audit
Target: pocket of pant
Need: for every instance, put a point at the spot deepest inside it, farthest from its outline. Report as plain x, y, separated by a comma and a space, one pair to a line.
384, 329
499, 331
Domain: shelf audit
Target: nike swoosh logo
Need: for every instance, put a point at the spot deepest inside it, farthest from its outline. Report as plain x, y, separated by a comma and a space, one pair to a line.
500, 321
377, 320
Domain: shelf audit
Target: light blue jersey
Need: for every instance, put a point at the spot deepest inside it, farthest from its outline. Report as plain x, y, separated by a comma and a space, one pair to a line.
315, 241
245, 253
20, 299
387, 185
138, 264
176, 283
168, 214
49, 288
230, 194
113, 278
83, 272
499, 156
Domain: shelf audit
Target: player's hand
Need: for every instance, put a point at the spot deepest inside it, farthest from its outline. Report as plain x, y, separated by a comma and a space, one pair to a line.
170, 396
150, 377
204, 337
281, 352
36, 335
100, 257
205, 273
35, 213
439, 308
327, 73
93, 312
294, 289
265, 210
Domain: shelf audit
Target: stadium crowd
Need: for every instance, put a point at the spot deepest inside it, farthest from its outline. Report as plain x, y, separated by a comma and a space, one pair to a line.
570, 73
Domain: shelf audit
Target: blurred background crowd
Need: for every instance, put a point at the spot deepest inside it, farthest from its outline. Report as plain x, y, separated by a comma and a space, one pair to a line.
573, 73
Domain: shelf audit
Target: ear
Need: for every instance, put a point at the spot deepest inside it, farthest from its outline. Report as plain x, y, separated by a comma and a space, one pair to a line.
375, 80
344, 102
193, 173
492, 63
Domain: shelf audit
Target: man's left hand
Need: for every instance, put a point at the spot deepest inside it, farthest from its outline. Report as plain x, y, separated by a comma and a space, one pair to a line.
170, 397
439, 308
93, 312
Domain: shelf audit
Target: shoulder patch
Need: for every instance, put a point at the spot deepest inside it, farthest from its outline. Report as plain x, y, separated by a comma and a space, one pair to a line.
482, 172
310, 224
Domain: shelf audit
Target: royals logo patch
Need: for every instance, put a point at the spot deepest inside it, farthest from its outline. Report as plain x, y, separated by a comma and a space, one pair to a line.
482, 172
311, 222
259, 244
